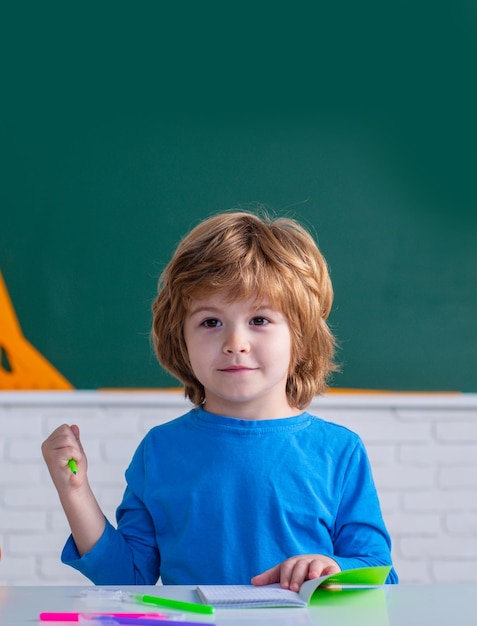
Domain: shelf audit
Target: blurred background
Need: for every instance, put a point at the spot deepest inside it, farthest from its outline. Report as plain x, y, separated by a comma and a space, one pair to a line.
123, 125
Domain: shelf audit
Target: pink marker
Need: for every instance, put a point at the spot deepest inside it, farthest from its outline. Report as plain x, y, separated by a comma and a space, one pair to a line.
75, 617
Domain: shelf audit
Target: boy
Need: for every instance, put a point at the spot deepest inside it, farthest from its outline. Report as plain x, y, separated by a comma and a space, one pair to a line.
247, 486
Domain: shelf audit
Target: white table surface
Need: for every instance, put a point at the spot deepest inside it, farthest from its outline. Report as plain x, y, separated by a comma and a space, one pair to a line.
391, 605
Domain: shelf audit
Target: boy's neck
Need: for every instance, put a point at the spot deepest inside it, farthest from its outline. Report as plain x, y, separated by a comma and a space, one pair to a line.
251, 412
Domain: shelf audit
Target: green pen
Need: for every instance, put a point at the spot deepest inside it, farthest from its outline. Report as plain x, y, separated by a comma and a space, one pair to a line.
72, 465
175, 604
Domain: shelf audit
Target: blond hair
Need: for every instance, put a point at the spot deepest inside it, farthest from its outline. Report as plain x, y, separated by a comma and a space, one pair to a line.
244, 255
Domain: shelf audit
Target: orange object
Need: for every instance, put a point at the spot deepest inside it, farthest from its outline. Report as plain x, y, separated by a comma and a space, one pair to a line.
22, 367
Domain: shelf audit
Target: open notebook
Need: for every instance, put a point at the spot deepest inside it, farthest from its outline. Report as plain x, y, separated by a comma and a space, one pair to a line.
248, 596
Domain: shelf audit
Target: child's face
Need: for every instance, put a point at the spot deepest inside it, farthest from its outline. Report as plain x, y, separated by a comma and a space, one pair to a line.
240, 352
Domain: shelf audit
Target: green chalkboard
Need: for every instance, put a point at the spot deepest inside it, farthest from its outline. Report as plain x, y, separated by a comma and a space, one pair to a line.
122, 127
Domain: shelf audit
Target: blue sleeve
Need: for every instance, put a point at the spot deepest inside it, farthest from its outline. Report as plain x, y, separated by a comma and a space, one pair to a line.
127, 555
107, 563
360, 536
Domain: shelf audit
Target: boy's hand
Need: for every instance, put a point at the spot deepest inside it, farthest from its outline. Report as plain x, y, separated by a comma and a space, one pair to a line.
62, 445
295, 570
86, 520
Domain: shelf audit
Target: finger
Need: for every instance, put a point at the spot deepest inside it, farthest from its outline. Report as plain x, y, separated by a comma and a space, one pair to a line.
62, 445
298, 574
75, 430
319, 568
268, 577
53, 441
286, 572
61, 437
331, 568
67, 440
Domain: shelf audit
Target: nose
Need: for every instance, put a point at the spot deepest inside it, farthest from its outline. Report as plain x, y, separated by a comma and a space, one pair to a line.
236, 342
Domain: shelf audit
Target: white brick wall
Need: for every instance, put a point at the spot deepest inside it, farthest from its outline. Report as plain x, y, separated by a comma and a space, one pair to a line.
423, 449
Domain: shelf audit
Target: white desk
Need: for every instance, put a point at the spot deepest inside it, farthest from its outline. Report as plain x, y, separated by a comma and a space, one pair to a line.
393, 605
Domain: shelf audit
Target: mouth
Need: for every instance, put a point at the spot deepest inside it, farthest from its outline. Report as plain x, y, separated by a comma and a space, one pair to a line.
237, 368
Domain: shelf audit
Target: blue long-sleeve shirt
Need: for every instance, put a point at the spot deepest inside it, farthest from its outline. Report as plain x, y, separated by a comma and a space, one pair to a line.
216, 500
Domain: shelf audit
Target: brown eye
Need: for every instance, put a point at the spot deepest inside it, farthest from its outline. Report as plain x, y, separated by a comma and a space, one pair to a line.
211, 323
259, 321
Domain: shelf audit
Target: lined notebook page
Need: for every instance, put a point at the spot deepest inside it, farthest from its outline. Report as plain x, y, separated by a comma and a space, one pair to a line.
246, 596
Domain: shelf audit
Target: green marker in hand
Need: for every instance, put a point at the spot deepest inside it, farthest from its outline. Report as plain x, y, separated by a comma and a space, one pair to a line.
72, 465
